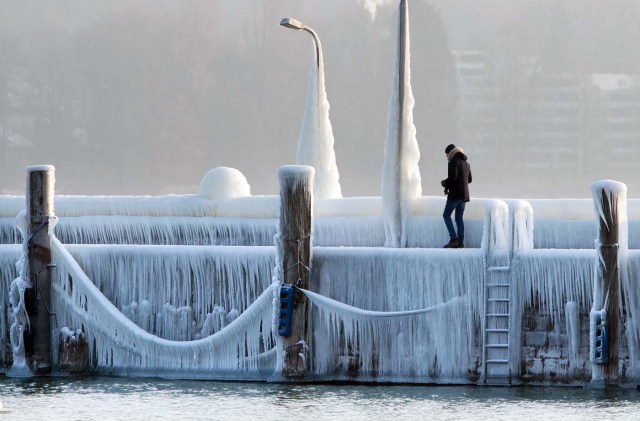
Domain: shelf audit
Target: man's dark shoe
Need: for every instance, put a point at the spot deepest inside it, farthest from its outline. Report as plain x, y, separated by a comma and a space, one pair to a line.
460, 245
453, 244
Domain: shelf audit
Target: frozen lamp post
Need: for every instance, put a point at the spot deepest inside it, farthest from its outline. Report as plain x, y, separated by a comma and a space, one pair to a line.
400, 172
315, 144
299, 26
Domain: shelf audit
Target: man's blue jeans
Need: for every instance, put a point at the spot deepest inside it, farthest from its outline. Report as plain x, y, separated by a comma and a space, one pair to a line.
458, 206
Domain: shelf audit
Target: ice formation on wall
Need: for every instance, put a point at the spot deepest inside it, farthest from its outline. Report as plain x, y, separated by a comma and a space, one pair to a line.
20, 318
178, 293
572, 316
195, 301
241, 350
549, 279
166, 230
315, 143
631, 289
8, 272
401, 348
400, 172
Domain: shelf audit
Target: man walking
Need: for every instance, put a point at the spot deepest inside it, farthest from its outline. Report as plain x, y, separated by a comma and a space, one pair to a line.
456, 187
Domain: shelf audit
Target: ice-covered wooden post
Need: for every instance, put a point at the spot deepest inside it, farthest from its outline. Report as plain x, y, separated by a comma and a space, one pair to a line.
296, 202
610, 204
39, 197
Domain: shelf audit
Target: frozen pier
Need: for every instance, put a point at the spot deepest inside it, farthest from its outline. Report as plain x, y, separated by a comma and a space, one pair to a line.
514, 307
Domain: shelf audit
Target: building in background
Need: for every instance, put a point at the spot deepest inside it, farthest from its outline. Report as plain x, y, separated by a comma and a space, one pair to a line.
534, 129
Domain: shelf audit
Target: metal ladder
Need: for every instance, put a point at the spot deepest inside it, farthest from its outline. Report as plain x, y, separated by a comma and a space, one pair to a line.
497, 326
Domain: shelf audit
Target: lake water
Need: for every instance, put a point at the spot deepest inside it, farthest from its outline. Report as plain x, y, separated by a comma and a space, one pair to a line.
150, 399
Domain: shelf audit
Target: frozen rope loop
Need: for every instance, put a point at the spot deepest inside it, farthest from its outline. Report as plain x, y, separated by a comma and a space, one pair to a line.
45, 220
299, 263
329, 304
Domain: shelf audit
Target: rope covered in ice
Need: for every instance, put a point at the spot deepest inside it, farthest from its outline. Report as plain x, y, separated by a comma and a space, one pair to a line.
136, 348
327, 303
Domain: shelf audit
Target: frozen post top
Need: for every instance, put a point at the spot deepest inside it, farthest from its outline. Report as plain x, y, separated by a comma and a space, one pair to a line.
296, 170
40, 190
608, 185
224, 183
612, 190
35, 168
296, 175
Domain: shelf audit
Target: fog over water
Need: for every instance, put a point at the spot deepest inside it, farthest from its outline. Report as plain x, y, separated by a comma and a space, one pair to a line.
144, 97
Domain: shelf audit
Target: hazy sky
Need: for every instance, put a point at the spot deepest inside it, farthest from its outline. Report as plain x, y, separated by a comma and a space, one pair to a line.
149, 95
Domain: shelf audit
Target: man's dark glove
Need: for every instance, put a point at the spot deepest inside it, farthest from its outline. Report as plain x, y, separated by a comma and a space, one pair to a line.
443, 183
446, 191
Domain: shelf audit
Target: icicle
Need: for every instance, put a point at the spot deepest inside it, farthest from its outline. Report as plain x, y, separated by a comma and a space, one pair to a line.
548, 279
404, 348
632, 299
521, 222
239, 351
9, 255
166, 230
572, 316
20, 324
200, 278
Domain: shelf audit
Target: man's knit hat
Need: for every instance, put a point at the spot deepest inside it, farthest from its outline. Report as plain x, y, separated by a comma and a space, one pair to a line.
449, 148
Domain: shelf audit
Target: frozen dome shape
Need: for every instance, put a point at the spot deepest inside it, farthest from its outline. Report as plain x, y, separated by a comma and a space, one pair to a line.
224, 183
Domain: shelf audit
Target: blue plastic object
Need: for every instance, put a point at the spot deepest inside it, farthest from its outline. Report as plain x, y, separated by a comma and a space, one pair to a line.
287, 293
602, 339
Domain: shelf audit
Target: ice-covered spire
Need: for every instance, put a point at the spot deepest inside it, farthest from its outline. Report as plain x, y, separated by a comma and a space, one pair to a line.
315, 144
400, 172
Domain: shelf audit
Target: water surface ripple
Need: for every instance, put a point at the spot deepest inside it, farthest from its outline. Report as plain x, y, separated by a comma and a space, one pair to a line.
145, 399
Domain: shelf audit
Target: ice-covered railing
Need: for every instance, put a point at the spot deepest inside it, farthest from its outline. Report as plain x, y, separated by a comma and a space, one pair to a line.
427, 228
217, 186
166, 230
495, 225
250, 220
409, 348
178, 293
240, 350
570, 223
520, 234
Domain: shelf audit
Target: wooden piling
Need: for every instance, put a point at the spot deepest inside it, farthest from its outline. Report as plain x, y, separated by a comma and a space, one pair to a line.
296, 203
39, 198
73, 351
607, 286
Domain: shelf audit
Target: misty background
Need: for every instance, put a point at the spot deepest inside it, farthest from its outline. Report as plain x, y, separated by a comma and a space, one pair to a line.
145, 96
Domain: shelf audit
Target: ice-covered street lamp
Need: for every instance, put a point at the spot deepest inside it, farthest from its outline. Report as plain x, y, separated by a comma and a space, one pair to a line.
315, 144
299, 26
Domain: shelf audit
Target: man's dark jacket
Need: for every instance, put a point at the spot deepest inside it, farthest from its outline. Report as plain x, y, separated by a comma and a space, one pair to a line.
459, 177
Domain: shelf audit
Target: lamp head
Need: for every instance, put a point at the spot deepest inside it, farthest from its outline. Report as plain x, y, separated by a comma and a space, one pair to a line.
292, 23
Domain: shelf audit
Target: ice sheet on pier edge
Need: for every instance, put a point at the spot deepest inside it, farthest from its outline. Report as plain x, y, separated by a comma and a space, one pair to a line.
178, 293
241, 350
